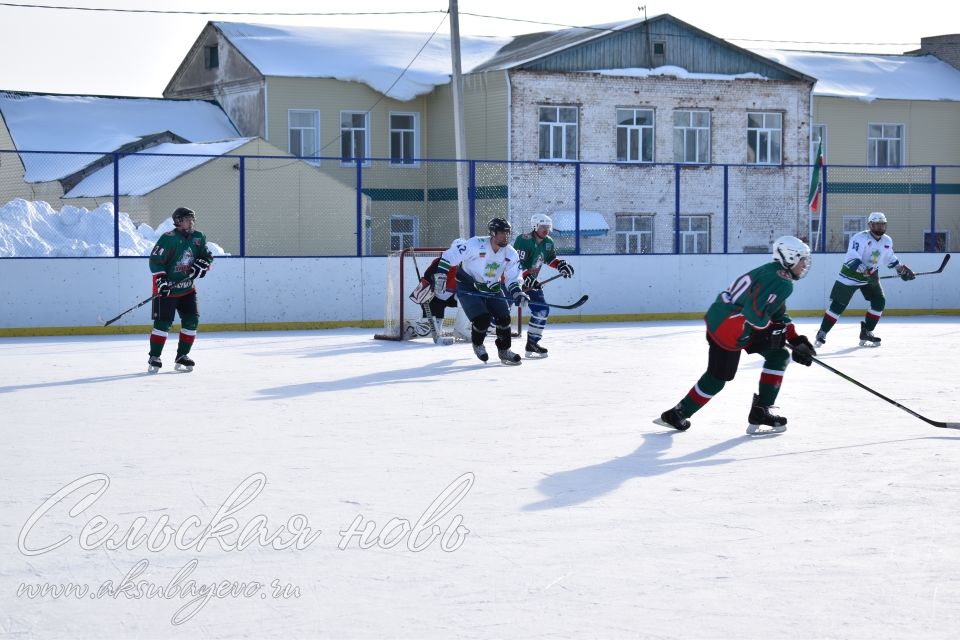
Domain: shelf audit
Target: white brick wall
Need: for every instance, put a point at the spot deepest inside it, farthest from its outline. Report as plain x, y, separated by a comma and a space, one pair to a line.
764, 203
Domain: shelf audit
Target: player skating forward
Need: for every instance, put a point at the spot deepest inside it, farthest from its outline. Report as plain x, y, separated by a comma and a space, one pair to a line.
482, 261
537, 249
867, 250
751, 315
179, 257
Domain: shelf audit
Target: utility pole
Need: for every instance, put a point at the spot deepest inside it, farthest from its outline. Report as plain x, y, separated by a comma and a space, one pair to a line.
463, 205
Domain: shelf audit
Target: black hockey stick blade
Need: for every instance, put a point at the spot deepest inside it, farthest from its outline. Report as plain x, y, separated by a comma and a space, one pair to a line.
935, 423
576, 304
134, 307
943, 264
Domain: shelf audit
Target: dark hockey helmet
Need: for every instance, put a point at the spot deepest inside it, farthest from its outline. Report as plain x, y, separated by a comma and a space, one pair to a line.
497, 225
181, 214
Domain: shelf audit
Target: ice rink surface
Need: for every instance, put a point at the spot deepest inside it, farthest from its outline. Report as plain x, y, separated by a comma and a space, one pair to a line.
327, 485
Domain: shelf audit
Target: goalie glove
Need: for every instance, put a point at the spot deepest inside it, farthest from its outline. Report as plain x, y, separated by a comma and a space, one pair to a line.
803, 351
199, 268
423, 293
162, 285
564, 268
530, 282
905, 273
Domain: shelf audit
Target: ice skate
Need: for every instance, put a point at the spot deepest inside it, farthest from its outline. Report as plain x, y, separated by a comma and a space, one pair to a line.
534, 350
153, 364
821, 339
674, 418
184, 363
481, 352
760, 417
508, 357
867, 339
438, 337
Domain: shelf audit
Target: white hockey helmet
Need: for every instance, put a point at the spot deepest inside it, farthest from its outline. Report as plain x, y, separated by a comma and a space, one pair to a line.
877, 222
541, 219
790, 252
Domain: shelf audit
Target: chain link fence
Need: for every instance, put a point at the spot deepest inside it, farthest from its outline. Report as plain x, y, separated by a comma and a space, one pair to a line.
63, 204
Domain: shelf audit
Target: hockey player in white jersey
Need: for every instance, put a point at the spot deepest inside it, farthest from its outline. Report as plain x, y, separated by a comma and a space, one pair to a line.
867, 251
487, 265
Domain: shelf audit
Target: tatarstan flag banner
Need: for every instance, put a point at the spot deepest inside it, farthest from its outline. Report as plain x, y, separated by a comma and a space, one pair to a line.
816, 182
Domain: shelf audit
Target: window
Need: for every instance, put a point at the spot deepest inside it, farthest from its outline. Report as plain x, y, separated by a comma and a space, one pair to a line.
851, 226
691, 137
211, 57
404, 147
635, 135
814, 233
634, 233
304, 133
764, 135
404, 232
354, 137
694, 234
818, 134
940, 240
885, 145
659, 48
558, 133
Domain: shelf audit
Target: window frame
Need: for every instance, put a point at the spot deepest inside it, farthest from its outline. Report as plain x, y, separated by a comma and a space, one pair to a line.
553, 128
861, 224
402, 161
314, 158
414, 233
694, 234
211, 56
818, 134
764, 140
874, 142
701, 134
352, 160
645, 132
643, 239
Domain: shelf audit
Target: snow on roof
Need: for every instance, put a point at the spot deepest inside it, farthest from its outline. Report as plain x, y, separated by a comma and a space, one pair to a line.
868, 77
98, 125
143, 172
677, 72
374, 58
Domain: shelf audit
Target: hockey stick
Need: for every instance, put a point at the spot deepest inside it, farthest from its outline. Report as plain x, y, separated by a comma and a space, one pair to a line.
936, 423
480, 294
133, 308
946, 259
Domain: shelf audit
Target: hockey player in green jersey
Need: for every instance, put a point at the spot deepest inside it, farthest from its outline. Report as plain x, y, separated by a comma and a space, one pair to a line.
177, 260
537, 249
751, 315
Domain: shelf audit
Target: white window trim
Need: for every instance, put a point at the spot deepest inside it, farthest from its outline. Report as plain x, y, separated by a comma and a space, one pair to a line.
639, 129
692, 128
769, 162
368, 133
415, 239
903, 144
638, 234
416, 139
559, 125
861, 225
813, 144
688, 217
316, 135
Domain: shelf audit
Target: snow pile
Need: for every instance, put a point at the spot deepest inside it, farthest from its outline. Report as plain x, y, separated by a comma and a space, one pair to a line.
35, 230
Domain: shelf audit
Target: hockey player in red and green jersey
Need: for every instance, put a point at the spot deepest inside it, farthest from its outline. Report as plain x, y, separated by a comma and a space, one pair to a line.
751, 315
537, 249
177, 260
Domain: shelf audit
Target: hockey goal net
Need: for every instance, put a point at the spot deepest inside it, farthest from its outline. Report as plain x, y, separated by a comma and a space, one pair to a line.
404, 319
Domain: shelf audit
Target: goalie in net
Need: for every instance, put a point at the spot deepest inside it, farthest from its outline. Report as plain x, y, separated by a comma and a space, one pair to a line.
414, 310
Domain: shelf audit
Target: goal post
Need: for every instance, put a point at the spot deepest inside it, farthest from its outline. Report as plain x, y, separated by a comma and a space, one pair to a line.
404, 319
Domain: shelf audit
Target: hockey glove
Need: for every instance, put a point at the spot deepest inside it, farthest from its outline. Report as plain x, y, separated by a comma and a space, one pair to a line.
423, 293
803, 351
520, 298
866, 270
530, 282
163, 285
565, 269
773, 337
439, 282
906, 273
199, 268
